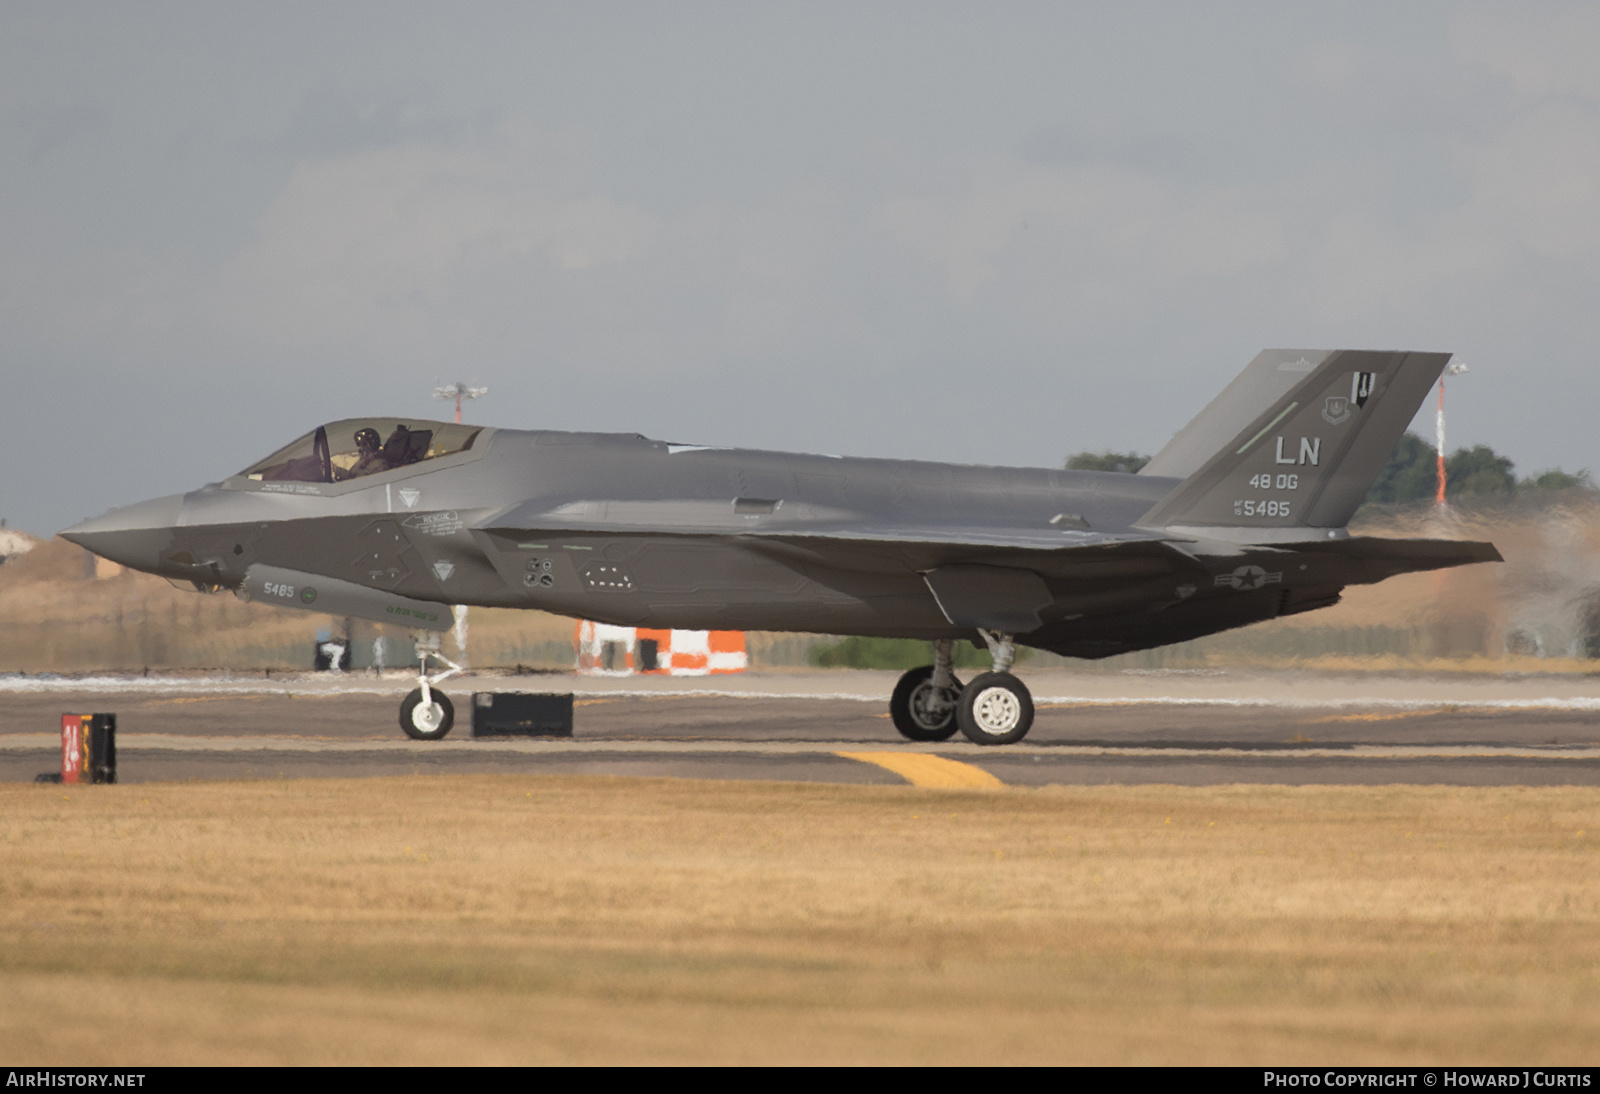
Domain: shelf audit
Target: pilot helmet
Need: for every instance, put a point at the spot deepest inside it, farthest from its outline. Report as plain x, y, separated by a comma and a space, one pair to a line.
367, 440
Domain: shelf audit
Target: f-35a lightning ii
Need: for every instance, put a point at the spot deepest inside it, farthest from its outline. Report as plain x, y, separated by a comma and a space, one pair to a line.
1240, 518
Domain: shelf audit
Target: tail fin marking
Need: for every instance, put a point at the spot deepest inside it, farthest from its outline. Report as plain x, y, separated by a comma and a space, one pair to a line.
1307, 454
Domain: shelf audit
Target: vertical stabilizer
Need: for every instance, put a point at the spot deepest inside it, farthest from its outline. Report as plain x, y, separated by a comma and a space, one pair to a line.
1264, 381
1295, 442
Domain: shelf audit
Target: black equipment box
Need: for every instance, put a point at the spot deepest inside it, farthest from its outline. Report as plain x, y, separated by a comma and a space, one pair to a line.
511, 713
103, 748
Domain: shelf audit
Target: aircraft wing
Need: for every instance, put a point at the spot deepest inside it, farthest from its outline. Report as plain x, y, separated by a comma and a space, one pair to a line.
808, 533
1086, 556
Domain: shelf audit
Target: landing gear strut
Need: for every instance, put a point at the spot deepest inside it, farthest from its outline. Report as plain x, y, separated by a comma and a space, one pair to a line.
425, 714
995, 708
923, 706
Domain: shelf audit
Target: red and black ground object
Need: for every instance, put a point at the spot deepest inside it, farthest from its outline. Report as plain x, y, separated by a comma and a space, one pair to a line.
88, 749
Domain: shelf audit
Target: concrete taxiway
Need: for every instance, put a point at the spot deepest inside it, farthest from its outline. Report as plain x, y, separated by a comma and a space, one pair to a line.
1092, 728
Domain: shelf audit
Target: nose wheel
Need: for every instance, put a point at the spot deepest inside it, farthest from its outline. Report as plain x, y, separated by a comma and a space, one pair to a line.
426, 718
427, 714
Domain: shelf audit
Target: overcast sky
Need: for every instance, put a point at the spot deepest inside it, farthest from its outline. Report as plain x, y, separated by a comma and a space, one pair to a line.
981, 232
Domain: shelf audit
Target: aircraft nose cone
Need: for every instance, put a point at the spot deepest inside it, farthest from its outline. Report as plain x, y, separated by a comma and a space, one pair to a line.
134, 535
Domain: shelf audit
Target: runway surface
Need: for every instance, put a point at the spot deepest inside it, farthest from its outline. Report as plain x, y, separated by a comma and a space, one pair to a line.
1091, 728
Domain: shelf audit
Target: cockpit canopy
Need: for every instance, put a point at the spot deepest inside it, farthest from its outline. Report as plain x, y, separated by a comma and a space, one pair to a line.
357, 447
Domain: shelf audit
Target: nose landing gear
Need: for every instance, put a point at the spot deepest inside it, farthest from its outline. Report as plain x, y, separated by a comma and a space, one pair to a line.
425, 714
930, 704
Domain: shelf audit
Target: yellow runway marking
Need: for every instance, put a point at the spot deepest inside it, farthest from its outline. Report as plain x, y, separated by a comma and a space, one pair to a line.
923, 769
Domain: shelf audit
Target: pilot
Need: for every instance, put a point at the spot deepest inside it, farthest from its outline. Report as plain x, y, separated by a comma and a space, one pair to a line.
369, 456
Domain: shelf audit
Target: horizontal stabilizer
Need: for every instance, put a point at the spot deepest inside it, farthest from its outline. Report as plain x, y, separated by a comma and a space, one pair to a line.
1381, 558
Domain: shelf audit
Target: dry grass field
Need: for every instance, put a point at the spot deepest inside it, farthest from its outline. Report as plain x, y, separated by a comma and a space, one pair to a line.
509, 919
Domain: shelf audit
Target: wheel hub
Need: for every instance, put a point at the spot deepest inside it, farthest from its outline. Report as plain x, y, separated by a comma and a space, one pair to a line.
996, 711
931, 707
427, 716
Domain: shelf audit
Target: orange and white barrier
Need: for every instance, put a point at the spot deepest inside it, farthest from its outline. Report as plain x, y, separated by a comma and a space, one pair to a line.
604, 650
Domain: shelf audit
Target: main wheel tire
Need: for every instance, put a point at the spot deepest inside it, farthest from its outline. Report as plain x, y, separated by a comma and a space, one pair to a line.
995, 709
915, 710
427, 723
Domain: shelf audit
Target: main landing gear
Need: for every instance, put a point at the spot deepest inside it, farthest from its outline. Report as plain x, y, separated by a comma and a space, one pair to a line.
425, 714
930, 704
923, 706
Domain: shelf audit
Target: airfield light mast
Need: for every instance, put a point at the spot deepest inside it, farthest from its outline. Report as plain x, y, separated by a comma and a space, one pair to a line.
459, 391
1454, 369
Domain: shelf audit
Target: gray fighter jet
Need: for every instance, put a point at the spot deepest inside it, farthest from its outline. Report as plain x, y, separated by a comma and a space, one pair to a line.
1240, 518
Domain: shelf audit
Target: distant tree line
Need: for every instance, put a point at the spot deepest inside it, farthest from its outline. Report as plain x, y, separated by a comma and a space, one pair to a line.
897, 653
1410, 475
